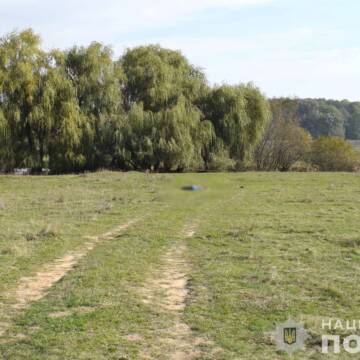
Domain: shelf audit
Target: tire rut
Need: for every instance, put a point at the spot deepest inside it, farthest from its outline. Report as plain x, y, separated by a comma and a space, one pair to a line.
167, 289
34, 288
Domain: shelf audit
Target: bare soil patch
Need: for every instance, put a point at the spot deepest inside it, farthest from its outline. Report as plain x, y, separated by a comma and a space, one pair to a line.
167, 289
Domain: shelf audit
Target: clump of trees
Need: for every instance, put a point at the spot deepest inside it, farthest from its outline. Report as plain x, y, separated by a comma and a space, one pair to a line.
80, 109
322, 117
284, 142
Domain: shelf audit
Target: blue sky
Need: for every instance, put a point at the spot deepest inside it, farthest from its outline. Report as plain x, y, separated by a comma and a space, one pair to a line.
305, 48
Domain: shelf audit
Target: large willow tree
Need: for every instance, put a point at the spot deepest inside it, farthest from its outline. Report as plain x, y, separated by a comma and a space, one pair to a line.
38, 109
97, 80
164, 129
239, 115
159, 77
167, 140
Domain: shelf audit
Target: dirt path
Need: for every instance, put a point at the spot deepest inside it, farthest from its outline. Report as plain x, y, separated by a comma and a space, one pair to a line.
168, 290
35, 287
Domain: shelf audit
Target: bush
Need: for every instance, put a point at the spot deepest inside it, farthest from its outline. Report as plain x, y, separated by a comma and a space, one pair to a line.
220, 161
334, 154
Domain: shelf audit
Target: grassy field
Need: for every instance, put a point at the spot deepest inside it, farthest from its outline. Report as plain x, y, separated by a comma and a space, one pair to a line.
195, 275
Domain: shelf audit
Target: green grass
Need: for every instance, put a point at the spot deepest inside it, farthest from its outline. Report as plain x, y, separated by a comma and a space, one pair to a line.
268, 246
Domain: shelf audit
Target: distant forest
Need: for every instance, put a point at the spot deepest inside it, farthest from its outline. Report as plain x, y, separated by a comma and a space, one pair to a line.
82, 110
329, 117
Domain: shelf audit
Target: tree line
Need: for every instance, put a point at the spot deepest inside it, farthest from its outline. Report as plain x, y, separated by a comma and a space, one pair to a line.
80, 109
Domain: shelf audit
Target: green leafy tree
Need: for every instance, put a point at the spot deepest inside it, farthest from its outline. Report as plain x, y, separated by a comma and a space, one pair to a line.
98, 82
38, 107
159, 78
164, 129
167, 140
239, 115
66, 134
22, 63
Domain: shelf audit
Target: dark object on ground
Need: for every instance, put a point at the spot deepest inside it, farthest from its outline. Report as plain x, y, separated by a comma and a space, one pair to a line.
192, 188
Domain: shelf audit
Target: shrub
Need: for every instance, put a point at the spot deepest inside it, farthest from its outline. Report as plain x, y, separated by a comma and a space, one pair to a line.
334, 154
220, 161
